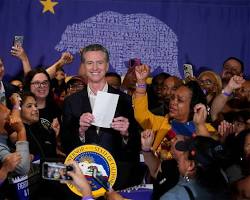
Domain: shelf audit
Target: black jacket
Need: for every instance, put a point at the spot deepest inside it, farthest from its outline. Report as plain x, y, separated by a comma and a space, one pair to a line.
108, 138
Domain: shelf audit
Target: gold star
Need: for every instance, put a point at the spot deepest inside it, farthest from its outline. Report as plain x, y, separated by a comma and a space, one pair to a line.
48, 6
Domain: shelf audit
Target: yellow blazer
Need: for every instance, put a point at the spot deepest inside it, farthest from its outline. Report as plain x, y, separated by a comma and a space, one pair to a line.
159, 124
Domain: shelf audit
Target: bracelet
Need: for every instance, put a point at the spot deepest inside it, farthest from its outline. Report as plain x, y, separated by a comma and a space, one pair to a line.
144, 85
226, 93
88, 198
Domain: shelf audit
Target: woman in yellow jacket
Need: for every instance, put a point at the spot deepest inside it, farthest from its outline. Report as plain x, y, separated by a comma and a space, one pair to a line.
181, 106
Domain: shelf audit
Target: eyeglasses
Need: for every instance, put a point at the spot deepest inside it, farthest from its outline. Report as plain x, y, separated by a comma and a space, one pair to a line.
37, 84
205, 82
76, 86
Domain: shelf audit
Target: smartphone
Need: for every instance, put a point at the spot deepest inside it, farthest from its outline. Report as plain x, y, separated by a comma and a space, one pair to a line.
99, 179
55, 171
18, 41
188, 71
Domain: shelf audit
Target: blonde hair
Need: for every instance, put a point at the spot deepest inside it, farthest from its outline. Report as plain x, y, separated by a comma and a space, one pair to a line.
216, 77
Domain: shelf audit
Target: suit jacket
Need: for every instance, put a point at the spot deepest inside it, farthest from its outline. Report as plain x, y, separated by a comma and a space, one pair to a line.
108, 138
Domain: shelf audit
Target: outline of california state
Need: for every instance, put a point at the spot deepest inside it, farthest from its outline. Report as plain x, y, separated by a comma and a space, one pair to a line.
126, 36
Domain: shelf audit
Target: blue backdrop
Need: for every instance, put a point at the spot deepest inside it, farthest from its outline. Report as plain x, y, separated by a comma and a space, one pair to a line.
163, 33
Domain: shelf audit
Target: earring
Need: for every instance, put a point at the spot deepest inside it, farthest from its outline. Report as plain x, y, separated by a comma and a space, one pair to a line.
186, 178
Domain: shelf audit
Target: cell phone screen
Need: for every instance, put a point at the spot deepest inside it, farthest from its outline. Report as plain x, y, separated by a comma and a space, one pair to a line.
54, 171
18, 41
188, 70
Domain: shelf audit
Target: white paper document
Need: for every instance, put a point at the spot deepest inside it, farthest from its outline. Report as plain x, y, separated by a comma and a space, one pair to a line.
104, 109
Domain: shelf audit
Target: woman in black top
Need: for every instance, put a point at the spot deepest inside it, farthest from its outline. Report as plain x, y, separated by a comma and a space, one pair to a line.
38, 82
42, 141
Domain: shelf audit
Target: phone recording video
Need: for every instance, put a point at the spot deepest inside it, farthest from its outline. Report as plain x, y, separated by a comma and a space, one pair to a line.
18, 41
188, 71
55, 171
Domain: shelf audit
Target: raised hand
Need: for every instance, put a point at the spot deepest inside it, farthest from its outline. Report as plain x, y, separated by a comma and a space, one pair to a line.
147, 139
15, 99
18, 52
224, 129
234, 83
66, 58
200, 114
142, 72
15, 121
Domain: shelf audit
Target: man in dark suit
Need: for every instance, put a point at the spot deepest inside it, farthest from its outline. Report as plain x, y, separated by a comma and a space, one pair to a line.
6, 89
122, 140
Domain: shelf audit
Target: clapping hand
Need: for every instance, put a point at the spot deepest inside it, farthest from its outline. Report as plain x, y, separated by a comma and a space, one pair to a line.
224, 129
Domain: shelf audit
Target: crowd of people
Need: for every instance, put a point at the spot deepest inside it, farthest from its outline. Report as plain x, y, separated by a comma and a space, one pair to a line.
193, 134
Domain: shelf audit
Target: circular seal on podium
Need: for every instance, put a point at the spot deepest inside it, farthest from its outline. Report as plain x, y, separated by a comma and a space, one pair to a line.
90, 158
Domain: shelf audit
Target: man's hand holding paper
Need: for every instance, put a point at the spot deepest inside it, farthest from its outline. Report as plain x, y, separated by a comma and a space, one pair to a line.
121, 124
103, 115
85, 122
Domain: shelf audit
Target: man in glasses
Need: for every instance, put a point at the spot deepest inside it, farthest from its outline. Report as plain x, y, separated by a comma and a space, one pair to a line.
231, 66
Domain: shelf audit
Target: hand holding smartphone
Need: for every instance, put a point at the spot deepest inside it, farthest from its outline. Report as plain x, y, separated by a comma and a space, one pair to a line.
104, 183
18, 41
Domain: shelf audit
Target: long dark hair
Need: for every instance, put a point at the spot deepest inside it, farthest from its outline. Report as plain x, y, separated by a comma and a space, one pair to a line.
197, 96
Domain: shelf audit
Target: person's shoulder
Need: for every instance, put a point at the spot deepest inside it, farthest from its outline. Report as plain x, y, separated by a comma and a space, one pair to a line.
119, 92
76, 96
176, 193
